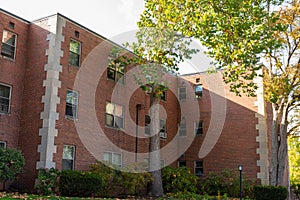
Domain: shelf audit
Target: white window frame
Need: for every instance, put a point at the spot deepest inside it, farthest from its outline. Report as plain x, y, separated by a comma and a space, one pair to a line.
114, 116
15, 46
73, 105
112, 154
78, 54
73, 155
3, 143
9, 99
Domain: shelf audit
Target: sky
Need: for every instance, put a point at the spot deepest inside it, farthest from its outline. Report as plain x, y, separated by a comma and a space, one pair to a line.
114, 19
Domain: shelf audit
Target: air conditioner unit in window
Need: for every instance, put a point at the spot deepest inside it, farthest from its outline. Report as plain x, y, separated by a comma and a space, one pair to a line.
163, 135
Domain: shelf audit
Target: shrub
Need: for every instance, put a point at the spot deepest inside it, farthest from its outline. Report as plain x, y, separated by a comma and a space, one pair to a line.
262, 192
11, 163
177, 180
118, 182
48, 181
296, 190
79, 183
227, 182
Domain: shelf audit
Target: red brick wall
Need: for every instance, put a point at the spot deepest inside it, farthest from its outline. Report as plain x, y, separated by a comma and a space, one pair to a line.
12, 73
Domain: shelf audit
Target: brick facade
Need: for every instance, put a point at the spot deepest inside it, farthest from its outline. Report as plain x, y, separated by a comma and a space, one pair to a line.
234, 129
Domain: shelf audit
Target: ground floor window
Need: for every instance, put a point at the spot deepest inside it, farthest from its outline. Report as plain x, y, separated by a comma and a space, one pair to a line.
182, 163
198, 167
2, 144
68, 157
113, 158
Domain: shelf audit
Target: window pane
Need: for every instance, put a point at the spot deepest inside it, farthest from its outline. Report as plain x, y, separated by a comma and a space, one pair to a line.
9, 38
8, 51
75, 47
118, 110
162, 125
111, 73
182, 130
107, 157
109, 108
182, 163
74, 59
68, 152
119, 122
109, 120
182, 93
116, 159
72, 97
67, 164
120, 69
2, 144
4, 91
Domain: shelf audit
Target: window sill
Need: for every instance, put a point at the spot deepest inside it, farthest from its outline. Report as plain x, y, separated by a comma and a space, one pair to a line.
8, 58
115, 128
70, 118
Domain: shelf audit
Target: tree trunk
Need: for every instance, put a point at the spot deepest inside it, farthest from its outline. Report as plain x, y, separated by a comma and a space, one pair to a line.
279, 164
155, 188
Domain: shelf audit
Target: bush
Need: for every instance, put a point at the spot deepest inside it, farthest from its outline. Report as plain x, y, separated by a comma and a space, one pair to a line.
227, 182
178, 180
296, 190
48, 182
262, 192
118, 182
11, 163
79, 183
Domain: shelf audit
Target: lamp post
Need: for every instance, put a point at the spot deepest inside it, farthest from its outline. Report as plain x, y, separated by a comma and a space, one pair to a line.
241, 191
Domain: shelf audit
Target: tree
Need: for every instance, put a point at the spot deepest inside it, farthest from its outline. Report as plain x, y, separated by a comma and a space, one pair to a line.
157, 51
294, 149
11, 163
244, 37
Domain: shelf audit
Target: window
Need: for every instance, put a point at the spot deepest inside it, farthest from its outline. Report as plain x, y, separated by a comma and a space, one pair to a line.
5, 93
11, 25
199, 128
2, 144
9, 42
68, 157
116, 72
182, 127
147, 124
197, 80
164, 96
182, 93
76, 34
75, 51
71, 104
198, 91
113, 158
198, 168
162, 162
181, 163
114, 116
163, 133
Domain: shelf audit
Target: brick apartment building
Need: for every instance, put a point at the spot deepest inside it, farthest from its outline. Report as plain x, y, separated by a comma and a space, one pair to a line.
45, 112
